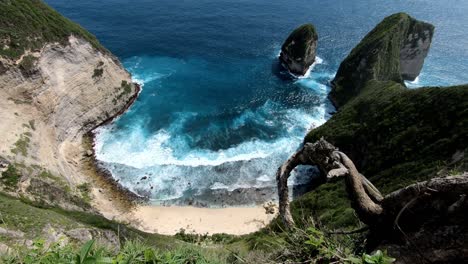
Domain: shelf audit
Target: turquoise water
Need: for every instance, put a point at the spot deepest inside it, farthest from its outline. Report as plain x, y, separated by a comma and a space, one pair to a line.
217, 112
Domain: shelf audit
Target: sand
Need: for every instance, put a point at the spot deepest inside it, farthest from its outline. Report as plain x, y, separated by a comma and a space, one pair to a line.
168, 220
64, 102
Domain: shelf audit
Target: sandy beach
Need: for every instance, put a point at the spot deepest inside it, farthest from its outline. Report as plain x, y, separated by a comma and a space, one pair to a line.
169, 220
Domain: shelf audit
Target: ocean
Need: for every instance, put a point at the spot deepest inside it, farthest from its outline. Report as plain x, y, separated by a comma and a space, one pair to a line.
217, 114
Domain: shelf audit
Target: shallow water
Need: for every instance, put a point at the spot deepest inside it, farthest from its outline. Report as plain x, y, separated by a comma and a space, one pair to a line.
217, 112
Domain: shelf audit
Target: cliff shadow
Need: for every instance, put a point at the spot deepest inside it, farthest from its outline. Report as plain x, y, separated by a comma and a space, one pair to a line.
308, 178
280, 71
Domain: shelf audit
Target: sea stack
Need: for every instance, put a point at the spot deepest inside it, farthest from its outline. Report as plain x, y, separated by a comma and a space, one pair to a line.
393, 51
299, 49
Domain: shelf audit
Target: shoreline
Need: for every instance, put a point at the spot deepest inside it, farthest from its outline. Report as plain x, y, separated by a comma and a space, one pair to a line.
116, 202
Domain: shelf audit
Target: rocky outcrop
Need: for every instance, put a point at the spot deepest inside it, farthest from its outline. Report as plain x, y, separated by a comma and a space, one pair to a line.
415, 48
299, 50
393, 51
54, 90
396, 137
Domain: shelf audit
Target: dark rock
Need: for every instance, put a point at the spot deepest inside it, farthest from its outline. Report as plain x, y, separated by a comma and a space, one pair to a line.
299, 49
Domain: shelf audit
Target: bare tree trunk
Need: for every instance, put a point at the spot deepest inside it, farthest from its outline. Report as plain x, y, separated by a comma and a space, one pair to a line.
368, 211
282, 176
371, 207
455, 186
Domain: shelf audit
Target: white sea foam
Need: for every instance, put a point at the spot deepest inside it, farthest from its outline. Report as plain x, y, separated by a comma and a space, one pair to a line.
413, 84
137, 154
218, 186
172, 167
139, 151
317, 61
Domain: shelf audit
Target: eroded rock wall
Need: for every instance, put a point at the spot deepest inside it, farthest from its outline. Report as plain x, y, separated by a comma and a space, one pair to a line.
47, 105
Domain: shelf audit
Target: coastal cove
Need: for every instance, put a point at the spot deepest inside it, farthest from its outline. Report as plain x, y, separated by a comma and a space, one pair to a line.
217, 114
230, 132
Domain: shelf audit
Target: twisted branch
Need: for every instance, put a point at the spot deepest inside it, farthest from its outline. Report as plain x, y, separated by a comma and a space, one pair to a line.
371, 207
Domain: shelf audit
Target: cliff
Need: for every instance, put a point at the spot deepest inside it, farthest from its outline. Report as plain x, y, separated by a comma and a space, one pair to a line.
56, 84
395, 136
393, 51
299, 50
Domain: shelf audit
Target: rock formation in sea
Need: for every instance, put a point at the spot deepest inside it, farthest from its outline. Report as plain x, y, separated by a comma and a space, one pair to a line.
393, 51
299, 50
396, 137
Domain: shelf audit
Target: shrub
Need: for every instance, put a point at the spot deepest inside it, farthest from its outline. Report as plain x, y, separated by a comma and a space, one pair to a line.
10, 177
97, 73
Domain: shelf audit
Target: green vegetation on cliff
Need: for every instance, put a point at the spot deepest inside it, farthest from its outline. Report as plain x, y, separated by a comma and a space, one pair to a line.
30, 24
301, 37
377, 56
396, 136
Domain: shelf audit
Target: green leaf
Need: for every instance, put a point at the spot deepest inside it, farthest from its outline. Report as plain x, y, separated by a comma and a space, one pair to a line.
85, 251
354, 260
104, 260
149, 255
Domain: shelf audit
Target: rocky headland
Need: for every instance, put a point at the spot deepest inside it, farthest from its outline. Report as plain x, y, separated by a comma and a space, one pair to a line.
393, 51
57, 83
396, 137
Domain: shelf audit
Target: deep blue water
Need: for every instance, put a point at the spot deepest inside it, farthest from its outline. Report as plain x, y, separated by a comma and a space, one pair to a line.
216, 110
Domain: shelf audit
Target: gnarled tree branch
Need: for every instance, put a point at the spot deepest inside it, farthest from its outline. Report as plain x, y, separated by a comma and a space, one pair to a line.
371, 207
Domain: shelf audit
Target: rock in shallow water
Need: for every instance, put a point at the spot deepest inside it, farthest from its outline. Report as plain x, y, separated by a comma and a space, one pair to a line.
299, 49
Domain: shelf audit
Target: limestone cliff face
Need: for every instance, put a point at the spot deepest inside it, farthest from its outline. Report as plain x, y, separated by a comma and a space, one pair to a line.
47, 105
414, 49
299, 50
393, 51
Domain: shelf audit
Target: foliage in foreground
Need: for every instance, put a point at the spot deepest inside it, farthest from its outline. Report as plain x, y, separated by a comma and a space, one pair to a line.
310, 246
313, 246
89, 253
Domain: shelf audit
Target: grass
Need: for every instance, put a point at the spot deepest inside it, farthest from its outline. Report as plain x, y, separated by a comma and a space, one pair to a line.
140, 247
302, 247
56, 180
10, 177
376, 57
27, 64
31, 217
396, 137
22, 145
30, 24
301, 37
132, 252
97, 73
85, 191
125, 89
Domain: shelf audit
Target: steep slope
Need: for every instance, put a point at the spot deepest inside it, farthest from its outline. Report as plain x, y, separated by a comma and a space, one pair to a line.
393, 51
396, 136
56, 84
299, 49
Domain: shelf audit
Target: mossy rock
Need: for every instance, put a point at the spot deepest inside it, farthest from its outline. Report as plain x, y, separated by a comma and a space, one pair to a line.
396, 136
393, 51
299, 50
